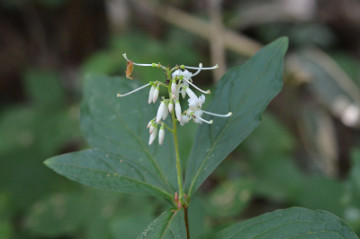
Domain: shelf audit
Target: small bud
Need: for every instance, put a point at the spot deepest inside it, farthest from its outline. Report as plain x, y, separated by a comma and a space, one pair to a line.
156, 94
178, 110
171, 106
161, 134
176, 197
179, 205
153, 136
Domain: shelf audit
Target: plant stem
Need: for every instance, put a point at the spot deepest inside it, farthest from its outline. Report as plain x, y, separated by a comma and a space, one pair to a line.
186, 218
178, 163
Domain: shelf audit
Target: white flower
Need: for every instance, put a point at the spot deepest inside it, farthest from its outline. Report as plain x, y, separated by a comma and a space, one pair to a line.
190, 93
195, 112
186, 74
161, 134
196, 115
184, 119
181, 82
195, 102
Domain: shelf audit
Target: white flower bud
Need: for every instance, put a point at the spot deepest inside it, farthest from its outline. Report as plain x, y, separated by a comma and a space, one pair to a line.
171, 106
178, 110
151, 94
161, 134
156, 94
151, 129
161, 111
153, 136
149, 124
173, 87
166, 112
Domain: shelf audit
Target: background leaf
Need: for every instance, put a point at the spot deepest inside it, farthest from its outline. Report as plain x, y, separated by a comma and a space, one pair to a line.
290, 223
116, 128
44, 87
245, 91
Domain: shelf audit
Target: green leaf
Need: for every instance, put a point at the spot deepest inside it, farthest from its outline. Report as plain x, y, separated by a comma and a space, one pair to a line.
101, 169
290, 223
245, 91
115, 128
169, 225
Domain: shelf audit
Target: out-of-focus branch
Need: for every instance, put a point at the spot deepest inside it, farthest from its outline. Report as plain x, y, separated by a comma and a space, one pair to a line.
338, 74
216, 39
242, 45
232, 41
273, 11
117, 11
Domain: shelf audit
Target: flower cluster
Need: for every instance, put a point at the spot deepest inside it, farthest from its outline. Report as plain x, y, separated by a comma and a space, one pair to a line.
179, 83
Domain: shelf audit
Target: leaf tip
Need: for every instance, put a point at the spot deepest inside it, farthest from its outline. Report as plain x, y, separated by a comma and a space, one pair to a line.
48, 162
284, 40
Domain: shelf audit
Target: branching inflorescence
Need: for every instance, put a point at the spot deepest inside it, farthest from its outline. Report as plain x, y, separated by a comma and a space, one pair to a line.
179, 83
